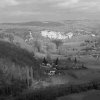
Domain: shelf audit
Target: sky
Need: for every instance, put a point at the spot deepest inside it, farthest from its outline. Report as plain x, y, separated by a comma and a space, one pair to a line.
48, 10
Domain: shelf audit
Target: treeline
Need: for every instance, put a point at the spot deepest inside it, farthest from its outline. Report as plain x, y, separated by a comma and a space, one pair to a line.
53, 92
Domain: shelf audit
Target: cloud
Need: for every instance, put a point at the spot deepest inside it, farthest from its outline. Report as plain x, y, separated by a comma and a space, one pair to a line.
24, 13
88, 5
47, 9
77, 4
4, 3
53, 4
67, 3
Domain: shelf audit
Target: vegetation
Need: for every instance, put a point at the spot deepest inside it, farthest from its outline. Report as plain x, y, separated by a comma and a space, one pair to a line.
58, 42
17, 55
18, 69
37, 45
51, 93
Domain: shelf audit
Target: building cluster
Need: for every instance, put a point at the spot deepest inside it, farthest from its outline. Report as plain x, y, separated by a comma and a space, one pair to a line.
53, 35
56, 35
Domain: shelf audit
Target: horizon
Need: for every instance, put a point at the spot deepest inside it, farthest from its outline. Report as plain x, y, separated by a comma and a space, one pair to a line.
60, 21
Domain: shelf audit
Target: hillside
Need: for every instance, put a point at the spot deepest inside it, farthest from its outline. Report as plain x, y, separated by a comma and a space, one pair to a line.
37, 23
18, 69
16, 54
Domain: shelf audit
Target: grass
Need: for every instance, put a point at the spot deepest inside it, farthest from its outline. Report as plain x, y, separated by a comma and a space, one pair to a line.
89, 95
53, 92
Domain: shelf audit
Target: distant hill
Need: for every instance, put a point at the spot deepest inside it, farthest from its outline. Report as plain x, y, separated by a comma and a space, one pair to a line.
88, 25
38, 23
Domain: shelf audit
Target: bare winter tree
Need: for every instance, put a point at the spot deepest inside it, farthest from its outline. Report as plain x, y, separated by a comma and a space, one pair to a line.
37, 45
58, 42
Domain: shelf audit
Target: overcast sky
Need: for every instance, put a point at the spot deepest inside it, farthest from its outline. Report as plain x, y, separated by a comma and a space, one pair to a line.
27, 10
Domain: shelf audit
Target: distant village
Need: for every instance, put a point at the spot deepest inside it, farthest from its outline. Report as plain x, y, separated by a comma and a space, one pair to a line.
56, 35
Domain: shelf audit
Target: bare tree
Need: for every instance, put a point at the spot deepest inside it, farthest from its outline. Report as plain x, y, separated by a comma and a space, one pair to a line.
58, 42
37, 45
